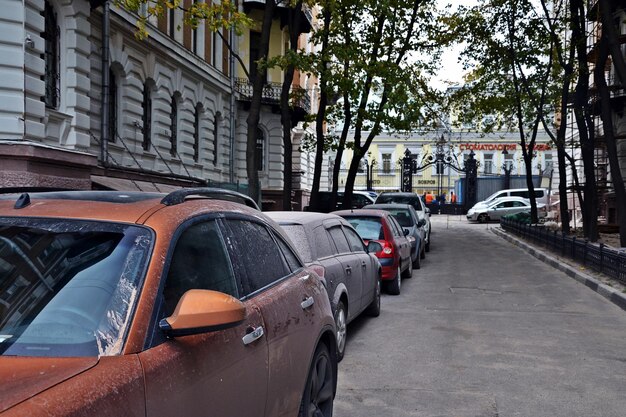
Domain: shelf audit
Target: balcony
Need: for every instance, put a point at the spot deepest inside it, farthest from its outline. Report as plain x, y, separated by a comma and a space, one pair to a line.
300, 98
282, 12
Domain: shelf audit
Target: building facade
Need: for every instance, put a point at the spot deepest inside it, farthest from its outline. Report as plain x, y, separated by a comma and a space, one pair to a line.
176, 116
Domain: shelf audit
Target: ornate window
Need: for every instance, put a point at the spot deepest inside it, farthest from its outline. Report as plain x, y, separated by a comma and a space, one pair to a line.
112, 106
216, 133
196, 132
386, 163
147, 115
51, 38
174, 126
260, 150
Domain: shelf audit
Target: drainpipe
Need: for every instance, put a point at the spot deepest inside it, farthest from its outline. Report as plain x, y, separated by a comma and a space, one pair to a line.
231, 159
104, 121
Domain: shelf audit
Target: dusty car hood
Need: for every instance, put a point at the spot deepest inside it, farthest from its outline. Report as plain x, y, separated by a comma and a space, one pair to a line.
23, 378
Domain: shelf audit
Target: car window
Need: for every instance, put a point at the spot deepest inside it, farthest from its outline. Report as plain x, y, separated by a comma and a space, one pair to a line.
257, 253
393, 225
340, 239
369, 228
402, 216
323, 245
200, 261
356, 244
292, 260
67, 288
298, 236
519, 204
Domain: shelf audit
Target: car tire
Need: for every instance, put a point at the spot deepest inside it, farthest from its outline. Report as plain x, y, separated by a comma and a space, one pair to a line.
394, 286
408, 272
417, 263
482, 218
373, 309
319, 391
341, 329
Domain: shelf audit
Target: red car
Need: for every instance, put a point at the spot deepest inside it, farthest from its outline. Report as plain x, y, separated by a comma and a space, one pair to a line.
395, 252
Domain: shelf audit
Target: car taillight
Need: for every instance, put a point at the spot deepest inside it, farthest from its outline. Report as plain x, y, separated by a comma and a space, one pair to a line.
387, 251
319, 270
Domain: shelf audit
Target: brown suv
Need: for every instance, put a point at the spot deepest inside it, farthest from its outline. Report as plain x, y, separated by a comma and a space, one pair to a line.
137, 304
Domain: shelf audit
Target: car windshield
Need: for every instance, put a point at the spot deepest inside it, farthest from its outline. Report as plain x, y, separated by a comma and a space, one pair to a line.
412, 200
369, 228
68, 288
403, 216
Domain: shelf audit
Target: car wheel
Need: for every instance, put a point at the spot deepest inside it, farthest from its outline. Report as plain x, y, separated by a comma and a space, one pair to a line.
417, 263
482, 218
374, 308
341, 329
317, 400
408, 272
393, 287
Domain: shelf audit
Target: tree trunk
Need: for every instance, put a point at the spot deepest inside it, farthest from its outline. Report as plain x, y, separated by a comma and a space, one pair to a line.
286, 113
254, 113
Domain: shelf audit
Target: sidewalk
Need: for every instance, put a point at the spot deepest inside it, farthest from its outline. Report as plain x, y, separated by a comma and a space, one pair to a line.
609, 288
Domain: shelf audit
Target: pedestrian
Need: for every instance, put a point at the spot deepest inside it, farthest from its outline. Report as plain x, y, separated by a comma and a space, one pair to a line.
452, 197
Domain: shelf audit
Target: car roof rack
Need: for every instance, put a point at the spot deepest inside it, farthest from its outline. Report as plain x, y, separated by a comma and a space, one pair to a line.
179, 196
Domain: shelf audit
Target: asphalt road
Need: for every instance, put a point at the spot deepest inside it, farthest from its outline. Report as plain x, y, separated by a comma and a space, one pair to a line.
485, 330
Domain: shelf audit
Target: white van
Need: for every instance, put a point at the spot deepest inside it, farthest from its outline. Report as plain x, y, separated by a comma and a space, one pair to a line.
541, 196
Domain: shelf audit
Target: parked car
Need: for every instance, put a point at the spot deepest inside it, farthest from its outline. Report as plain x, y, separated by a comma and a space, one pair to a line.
145, 304
351, 273
541, 196
395, 252
360, 199
417, 203
410, 222
502, 207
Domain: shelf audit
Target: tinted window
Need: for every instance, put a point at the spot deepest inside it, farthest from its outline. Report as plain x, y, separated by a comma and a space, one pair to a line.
68, 288
340, 239
322, 243
356, 244
257, 253
369, 228
200, 262
402, 216
292, 260
298, 236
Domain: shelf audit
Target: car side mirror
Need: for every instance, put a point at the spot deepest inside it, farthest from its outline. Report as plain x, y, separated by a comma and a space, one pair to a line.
428, 211
406, 232
374, 247
421, 223
202, 311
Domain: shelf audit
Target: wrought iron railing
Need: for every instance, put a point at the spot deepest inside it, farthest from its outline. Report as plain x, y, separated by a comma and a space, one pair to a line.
299, 97
611, 262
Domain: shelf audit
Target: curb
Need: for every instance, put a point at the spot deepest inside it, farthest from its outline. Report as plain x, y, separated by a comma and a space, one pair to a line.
611, 294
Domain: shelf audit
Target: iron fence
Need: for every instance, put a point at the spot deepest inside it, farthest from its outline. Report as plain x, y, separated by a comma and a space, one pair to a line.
600, 258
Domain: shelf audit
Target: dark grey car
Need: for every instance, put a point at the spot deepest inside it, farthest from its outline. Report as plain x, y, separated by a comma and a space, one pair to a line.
418, 204
353, 276
408, 218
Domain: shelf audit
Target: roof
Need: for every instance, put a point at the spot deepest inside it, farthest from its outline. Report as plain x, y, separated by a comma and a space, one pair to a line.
361, 213
384, 206
300, 217
402, 194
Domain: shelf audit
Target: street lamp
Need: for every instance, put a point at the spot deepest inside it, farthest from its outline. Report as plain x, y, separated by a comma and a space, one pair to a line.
507, 168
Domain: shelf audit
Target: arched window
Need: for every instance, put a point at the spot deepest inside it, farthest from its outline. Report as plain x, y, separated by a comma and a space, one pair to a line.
112, 106
216, 134
51, 56
260, 150
147, 114
174, 124
196, 132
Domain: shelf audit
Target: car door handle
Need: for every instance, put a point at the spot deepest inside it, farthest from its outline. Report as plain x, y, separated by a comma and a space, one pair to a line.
349, 270
363, 265
307, 302
253, 335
